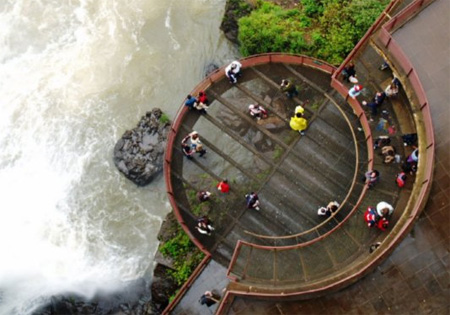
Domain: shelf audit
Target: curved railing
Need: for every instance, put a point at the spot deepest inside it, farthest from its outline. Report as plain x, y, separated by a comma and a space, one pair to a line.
216, 76
419, 103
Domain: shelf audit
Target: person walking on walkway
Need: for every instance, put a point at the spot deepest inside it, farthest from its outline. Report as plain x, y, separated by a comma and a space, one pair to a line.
393, 88
373, 108
257, 111
329, 209
204, 225
349, 73
208, 298
298, 122
252, 200
233, 71
289, 88
371, 178
203, 195
187, 150
355, 91
196, 143
223, 186
379, 98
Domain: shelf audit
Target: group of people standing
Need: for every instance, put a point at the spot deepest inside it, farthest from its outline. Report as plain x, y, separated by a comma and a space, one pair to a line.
199, 103
192, 144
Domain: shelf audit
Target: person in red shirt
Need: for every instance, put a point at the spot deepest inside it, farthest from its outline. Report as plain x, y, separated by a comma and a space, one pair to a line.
202, 98
223, 186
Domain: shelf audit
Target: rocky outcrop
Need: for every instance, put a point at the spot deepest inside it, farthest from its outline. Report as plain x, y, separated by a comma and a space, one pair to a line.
234, 10
163, 287
139, 154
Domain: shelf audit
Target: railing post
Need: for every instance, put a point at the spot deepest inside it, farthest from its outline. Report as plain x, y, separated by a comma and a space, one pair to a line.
393, 22
388, 42
409, 72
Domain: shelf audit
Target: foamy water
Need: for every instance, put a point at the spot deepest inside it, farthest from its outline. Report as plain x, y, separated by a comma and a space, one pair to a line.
74, 76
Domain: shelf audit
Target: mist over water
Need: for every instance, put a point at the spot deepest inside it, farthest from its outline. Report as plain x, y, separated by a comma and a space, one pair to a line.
74, 75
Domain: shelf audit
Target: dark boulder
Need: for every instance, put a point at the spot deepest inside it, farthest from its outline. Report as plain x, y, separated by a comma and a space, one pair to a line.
139, 154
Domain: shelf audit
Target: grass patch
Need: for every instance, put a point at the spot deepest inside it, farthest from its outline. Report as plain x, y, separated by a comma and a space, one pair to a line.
164, 118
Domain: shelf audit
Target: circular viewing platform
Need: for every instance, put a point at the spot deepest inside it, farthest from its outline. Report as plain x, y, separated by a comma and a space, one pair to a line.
285, 246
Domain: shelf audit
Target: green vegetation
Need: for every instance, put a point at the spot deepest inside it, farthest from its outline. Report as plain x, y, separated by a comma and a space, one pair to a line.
185, 254
164, 118
277, 152
197, 208
325, 29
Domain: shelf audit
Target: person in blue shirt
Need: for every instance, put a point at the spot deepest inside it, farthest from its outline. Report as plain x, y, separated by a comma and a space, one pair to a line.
190, 101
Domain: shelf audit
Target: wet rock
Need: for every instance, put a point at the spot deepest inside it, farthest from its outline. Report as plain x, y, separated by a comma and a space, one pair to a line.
139, 154
210, 68
234, 10
162, 287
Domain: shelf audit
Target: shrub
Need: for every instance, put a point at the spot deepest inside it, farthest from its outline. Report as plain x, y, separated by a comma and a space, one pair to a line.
270, 29
185, 255
325, 29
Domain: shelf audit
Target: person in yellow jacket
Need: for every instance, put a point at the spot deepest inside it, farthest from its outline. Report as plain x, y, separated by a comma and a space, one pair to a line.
298, 122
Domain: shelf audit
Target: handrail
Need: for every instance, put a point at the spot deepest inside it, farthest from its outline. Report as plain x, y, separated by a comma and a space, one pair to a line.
407, 13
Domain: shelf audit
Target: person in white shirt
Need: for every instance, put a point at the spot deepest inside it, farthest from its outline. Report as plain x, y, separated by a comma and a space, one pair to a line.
233, 71
384, 209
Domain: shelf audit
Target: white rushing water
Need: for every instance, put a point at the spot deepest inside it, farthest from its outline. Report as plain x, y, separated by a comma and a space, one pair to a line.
74, 75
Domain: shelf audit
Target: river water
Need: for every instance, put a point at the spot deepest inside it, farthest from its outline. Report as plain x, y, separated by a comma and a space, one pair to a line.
74, 75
